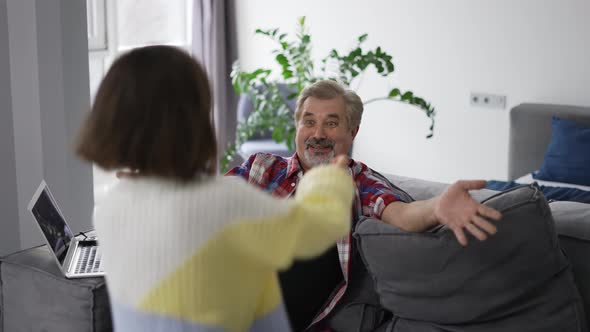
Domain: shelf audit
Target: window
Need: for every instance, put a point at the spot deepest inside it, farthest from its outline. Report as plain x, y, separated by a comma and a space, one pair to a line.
96, 25
115, 26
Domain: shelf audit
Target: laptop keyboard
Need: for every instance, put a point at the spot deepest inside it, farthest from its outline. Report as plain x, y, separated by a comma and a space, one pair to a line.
89, 260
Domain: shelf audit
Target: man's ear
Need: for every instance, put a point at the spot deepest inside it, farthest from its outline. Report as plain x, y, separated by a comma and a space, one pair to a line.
355, 131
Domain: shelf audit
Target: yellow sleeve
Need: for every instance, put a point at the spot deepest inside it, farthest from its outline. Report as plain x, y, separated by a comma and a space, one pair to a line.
319, 215
324, 205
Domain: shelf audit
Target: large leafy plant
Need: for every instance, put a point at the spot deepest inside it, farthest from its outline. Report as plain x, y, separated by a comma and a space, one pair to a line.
271, 111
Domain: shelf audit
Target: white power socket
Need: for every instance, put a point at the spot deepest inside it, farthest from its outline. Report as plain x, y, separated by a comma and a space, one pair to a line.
487, 100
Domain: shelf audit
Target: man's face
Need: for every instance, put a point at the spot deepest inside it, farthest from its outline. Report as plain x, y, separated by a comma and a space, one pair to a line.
323, 131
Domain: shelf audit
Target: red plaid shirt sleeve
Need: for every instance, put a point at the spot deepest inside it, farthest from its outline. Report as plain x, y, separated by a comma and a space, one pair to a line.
243, 170
375, 194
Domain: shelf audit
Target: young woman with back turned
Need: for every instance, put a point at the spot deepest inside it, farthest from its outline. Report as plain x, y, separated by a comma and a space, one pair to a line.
184, 249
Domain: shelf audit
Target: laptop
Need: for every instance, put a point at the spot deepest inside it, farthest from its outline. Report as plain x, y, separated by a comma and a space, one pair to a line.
77, 257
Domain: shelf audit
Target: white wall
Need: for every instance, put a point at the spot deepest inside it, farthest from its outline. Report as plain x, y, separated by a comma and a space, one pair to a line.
527, 50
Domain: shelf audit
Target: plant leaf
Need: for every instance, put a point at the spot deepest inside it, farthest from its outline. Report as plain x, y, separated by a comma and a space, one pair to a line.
278, 134
282, 60
408, 95
394, 93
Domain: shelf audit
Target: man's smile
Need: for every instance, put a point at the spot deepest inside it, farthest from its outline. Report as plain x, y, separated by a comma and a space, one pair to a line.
319, 148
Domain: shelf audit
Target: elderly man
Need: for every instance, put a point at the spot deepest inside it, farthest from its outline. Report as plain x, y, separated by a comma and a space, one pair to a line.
327, 120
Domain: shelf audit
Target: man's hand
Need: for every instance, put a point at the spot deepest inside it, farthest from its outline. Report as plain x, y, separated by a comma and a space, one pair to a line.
459, 211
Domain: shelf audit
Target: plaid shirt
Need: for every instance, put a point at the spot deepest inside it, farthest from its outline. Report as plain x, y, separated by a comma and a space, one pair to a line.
279, 176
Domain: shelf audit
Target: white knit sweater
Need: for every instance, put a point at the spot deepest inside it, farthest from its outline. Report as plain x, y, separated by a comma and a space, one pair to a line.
203, 256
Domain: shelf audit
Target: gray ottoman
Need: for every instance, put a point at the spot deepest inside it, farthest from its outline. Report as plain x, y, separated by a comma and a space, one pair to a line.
35, 296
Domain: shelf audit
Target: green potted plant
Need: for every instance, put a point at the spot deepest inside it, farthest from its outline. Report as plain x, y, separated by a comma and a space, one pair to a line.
271, 111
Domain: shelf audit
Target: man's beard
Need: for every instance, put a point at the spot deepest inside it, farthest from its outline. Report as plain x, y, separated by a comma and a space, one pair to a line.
316, 159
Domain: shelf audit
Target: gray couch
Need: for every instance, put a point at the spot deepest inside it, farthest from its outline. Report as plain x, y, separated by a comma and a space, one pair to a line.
530, 134
572, 225
35, 296
386, 251
529, 137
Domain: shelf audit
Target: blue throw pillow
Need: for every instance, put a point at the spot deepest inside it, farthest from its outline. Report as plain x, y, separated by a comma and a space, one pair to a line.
568, 156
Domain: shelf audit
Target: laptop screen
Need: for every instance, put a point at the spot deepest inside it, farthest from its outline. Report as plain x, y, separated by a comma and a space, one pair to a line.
52, 224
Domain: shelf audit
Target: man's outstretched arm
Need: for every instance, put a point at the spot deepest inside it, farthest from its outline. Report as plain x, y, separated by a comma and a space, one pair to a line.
454, 208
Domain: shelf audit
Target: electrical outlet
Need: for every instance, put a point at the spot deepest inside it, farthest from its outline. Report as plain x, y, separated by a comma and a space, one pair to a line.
487, 100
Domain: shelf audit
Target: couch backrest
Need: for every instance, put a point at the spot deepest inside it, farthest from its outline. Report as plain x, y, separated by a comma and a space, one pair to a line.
572, 223
530, 133
428, 277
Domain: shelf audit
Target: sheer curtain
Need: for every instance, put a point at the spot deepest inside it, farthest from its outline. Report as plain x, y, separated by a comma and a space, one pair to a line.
214, 44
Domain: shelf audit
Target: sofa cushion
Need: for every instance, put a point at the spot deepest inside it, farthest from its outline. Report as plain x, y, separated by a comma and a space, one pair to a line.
35, 296
510, 282
572, 221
